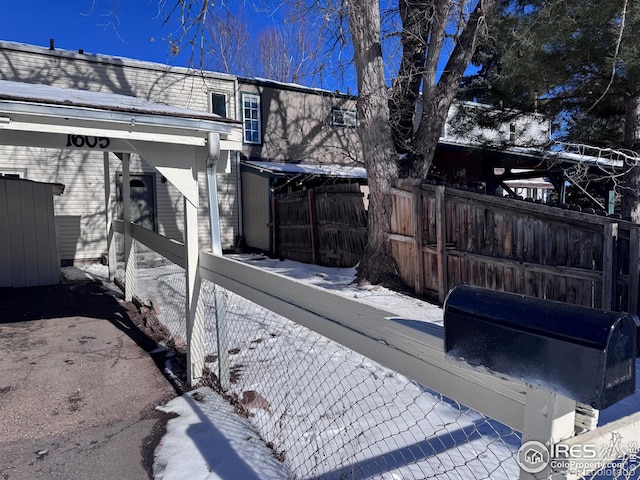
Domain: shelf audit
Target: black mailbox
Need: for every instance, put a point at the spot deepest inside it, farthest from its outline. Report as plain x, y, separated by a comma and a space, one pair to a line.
582, 353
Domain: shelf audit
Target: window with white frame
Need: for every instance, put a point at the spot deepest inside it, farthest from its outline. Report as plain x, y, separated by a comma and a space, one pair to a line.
219, 104
251, 118
13, 173
343, 118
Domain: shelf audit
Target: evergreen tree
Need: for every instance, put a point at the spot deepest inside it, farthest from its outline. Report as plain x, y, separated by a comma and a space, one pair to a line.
578, 61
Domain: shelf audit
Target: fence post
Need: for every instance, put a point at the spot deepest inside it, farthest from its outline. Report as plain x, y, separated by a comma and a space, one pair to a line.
441, 242
634, 269
275, 225
195, 323
129, 246
548, 419
608, 266
418, 257
312, 225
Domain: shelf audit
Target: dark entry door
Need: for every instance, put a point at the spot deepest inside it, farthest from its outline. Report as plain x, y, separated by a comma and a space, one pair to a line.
142, 200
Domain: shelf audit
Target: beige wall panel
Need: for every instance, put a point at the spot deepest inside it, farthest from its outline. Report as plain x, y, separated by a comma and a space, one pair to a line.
256, 207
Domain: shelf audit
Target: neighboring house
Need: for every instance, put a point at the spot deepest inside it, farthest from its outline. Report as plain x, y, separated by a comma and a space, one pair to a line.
288, 123
480, 125
294, 138
482, 148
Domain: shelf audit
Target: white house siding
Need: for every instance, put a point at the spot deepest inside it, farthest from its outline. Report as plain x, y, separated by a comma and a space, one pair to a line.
80, 211
509, 129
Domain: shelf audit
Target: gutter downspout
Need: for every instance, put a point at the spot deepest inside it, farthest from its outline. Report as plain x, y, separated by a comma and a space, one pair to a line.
222, 333
213, 141
237, 109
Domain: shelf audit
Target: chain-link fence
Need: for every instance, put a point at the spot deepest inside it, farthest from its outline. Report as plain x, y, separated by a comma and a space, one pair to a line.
330, 412
159, 285
325, 410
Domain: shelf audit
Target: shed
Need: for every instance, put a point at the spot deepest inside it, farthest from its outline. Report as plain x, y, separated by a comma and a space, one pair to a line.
261, 181
29, 250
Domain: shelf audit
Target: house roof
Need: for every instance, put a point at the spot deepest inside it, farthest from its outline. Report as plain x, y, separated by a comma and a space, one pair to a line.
559, 153
295, 87
113, 60
292, 169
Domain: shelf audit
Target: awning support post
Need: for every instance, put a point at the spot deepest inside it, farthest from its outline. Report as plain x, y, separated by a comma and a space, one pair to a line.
111, 250
129, 246
195, 317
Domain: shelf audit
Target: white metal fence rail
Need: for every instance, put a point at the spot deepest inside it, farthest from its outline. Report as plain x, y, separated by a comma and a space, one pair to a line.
237, 338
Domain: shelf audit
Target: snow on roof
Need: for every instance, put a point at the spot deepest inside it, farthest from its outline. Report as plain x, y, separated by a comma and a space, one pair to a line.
46, 94
294, 86
561, 153
333, 170
113, 60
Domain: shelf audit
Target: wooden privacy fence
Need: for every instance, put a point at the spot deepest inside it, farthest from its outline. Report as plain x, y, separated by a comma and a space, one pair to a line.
443, 237
326, 225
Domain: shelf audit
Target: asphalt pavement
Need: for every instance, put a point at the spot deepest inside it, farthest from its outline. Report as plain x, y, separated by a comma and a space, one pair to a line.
79, 383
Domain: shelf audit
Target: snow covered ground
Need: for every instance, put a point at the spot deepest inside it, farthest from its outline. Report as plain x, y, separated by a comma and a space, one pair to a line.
326, 410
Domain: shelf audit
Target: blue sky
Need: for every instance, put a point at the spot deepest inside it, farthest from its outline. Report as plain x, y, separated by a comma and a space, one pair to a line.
136, 32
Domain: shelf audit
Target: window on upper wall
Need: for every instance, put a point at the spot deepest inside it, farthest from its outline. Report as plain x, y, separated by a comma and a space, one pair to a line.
343, 118
219, 104
13, 173
251, 118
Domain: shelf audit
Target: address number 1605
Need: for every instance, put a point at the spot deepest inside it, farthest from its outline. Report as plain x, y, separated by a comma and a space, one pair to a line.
81, 141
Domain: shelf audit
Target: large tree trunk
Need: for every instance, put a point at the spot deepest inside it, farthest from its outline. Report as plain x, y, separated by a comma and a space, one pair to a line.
377, 264
414, 37
424, 29
631, 192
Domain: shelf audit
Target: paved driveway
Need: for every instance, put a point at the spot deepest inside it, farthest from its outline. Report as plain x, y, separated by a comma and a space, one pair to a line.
78, 386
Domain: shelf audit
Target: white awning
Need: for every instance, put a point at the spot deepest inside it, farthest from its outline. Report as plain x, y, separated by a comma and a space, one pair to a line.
176, 141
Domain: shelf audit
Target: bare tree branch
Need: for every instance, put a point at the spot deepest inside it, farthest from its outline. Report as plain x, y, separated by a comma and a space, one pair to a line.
616, 54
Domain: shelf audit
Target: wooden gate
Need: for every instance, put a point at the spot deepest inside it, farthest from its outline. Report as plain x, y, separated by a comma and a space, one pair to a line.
326, 225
